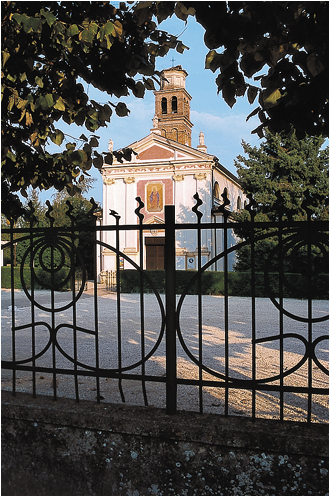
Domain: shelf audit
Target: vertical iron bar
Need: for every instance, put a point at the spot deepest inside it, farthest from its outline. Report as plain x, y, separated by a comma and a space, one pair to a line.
253, 316
96, 318
52, 297
310, 325
171, 354
225, 246
32, 313
74, 310
281, 279
200, 315
12, 276
142, 315
118, 308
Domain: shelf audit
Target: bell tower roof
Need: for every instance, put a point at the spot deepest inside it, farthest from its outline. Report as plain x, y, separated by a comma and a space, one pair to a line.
172, 106
174, 77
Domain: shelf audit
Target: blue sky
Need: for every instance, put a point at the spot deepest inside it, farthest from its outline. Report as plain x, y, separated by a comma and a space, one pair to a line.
223, 127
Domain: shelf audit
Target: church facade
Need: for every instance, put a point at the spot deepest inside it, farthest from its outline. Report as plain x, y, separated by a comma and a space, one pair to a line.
167, 170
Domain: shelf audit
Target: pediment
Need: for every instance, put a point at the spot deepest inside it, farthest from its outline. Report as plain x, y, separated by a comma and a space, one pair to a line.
156, 152
157, 148
154, 220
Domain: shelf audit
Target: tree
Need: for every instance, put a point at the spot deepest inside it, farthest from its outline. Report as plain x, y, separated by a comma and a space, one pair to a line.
59, 214
284, 173
290, 39
48, 50
287, 179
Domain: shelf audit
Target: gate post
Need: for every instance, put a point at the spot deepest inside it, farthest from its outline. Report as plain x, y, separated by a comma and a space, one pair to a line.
171, 384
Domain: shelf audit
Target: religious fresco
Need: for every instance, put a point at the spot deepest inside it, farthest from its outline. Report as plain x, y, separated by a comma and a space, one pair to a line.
155, 197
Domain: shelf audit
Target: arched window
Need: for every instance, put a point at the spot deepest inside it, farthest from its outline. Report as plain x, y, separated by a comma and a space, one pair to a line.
163, 131
174, 105
164, 105
175, 134
216, 190
239, 203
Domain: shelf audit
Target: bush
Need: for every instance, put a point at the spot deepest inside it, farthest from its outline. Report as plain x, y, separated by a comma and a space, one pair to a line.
239, 283
212, 282
43, 276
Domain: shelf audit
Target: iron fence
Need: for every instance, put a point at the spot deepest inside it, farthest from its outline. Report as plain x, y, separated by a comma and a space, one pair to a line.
242, 358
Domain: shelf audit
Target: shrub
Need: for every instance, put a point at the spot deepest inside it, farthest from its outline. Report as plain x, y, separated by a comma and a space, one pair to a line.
239, 283
44, 277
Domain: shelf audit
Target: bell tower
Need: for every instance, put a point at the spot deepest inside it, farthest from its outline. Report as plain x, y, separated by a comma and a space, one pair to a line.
172, 106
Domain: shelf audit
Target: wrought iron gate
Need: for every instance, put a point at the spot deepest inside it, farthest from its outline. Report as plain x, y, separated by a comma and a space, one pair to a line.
54, 336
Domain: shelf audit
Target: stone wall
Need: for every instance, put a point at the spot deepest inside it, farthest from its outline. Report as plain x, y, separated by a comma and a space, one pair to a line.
65, 448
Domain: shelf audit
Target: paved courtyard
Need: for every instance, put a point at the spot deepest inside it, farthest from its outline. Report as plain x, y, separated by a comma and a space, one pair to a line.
240, 349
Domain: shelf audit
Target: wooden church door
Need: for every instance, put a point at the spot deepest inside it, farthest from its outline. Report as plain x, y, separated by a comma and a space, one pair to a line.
155, 250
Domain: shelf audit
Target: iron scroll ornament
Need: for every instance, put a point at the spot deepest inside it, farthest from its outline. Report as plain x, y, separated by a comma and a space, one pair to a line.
309, 347
63, 244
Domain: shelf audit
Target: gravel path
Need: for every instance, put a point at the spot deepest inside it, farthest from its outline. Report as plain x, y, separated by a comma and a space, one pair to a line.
240, 350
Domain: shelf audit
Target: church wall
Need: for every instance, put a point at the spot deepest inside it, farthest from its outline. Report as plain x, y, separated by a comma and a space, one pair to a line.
165, 172
178, 189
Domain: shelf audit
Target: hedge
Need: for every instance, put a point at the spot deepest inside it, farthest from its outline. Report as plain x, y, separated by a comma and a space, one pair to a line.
43, 276
239, 283
212, 282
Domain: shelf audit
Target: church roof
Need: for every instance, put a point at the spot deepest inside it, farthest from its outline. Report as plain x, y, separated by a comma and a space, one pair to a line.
156, 149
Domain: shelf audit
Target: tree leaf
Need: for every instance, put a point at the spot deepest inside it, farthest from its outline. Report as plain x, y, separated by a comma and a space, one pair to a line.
50, 18
228, 93
108, 158
70, 146
98, 162
181, 47
148, 83
28, 118
270, 98
60, 105
118, 31
94, 142
314, 64
72, 30
108, 28
57, 137
121, 109
45, 101
5, 57
252, 93
253, 113
39, 81
138, 91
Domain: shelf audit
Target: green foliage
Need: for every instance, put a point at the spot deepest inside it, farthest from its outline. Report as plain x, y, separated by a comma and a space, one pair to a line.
295, 285
285, 175
290, 41
287, 179
62, 213
43, 276
47, 50
286, 40
239, 284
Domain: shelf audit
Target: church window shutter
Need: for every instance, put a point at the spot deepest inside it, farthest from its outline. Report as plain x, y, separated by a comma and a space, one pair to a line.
164, 105
174, 105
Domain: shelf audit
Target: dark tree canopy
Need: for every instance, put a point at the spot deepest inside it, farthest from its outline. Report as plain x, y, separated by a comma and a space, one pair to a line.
287, 179
48, 49
285, 176
276, 51
288, 42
